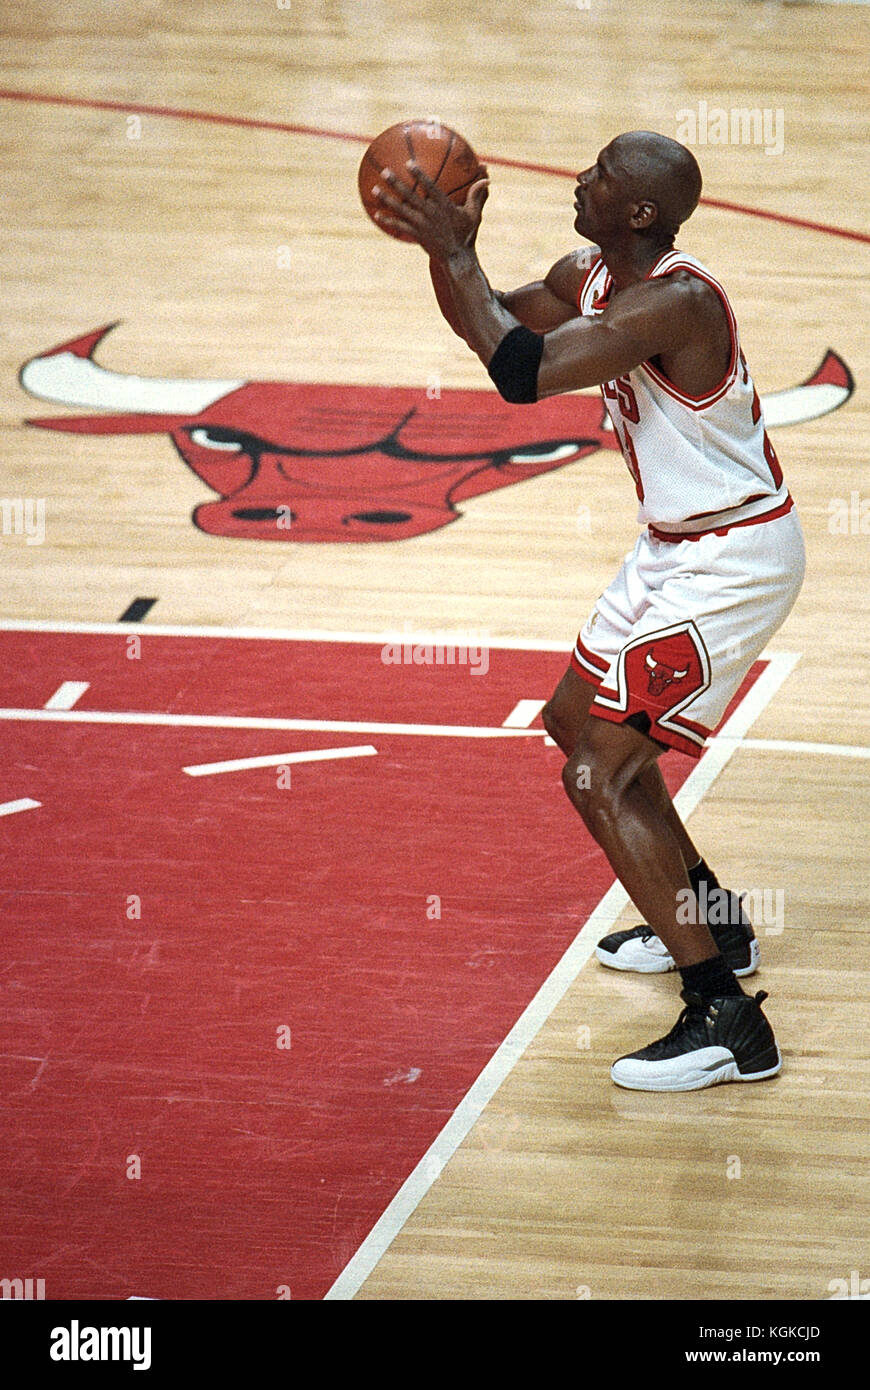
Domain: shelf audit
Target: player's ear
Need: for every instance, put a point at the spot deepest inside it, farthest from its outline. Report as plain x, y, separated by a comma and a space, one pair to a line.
644, 215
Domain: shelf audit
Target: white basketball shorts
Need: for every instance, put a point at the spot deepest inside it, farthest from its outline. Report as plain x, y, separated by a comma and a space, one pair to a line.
671, 639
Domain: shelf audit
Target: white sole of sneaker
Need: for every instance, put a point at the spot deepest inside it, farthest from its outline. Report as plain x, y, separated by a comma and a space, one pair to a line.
646, 964
649, 964
709, 1066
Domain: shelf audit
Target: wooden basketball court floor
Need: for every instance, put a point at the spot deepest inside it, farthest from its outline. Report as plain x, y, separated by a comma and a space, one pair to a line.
187, 173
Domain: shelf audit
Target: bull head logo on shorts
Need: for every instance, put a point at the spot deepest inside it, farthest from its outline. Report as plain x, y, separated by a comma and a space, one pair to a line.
661, 675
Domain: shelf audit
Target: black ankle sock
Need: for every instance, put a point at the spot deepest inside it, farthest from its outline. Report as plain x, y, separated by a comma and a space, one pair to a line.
711, 979
702, 873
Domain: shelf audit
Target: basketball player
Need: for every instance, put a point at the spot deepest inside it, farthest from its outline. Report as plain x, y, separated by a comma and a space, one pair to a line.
706, 586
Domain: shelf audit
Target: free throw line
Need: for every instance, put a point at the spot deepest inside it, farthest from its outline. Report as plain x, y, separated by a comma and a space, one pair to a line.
243, 721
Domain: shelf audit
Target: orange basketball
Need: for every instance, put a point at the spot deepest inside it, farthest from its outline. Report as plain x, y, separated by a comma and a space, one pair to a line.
440, 152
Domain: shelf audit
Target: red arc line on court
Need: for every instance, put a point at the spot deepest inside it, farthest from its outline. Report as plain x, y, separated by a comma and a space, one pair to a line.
322, 133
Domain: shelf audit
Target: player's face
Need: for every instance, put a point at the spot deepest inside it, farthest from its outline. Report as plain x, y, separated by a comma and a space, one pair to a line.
598, 197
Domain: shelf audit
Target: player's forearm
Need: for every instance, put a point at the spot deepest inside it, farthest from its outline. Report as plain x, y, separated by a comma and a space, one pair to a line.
481, 318
444, 296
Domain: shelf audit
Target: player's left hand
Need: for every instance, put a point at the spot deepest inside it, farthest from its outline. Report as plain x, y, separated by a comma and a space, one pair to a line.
436, 223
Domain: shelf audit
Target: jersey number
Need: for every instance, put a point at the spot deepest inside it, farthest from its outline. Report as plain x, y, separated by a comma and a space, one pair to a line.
622, 392
769, 451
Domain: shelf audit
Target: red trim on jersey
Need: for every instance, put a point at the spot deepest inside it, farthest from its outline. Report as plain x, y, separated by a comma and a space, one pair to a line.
657, 733
701, 516
710, 397
593, 270
657, 262
604, 297
676, 537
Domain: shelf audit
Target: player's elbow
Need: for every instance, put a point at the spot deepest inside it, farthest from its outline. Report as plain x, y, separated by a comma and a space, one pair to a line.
516, 395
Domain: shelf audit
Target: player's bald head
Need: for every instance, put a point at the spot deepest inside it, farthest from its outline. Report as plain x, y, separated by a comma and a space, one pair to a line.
661, 171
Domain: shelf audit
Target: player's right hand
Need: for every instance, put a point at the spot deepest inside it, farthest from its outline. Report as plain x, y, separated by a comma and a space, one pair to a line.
425, 214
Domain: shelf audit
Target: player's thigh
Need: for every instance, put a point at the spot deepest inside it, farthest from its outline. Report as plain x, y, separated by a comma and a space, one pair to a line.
597, 647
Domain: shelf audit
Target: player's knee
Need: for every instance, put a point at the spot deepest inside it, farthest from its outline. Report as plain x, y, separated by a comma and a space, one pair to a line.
578, 782
592, 792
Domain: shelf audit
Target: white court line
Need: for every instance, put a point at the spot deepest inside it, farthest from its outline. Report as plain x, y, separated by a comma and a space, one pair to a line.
522, 714
9, 808
207, 721
316, 755
794, 745
233, 721
67, 695
278, 634
500, 1065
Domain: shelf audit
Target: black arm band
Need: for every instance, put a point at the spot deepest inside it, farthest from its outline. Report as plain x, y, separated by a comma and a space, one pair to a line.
514, 365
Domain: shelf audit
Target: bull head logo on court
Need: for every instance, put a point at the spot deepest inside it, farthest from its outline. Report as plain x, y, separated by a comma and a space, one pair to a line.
294, 461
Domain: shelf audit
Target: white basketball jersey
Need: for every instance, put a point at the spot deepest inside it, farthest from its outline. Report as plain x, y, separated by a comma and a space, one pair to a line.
691, 457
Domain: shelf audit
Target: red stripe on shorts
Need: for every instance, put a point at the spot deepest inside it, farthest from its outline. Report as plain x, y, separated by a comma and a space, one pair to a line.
600, 665
656, 732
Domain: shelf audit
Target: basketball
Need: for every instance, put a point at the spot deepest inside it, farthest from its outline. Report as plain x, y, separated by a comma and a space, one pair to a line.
440, 152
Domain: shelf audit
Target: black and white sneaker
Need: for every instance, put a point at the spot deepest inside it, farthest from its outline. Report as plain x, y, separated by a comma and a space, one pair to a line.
726, 1039
640, 949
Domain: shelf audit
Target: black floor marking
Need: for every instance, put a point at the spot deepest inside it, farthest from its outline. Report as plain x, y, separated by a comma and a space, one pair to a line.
137, 610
